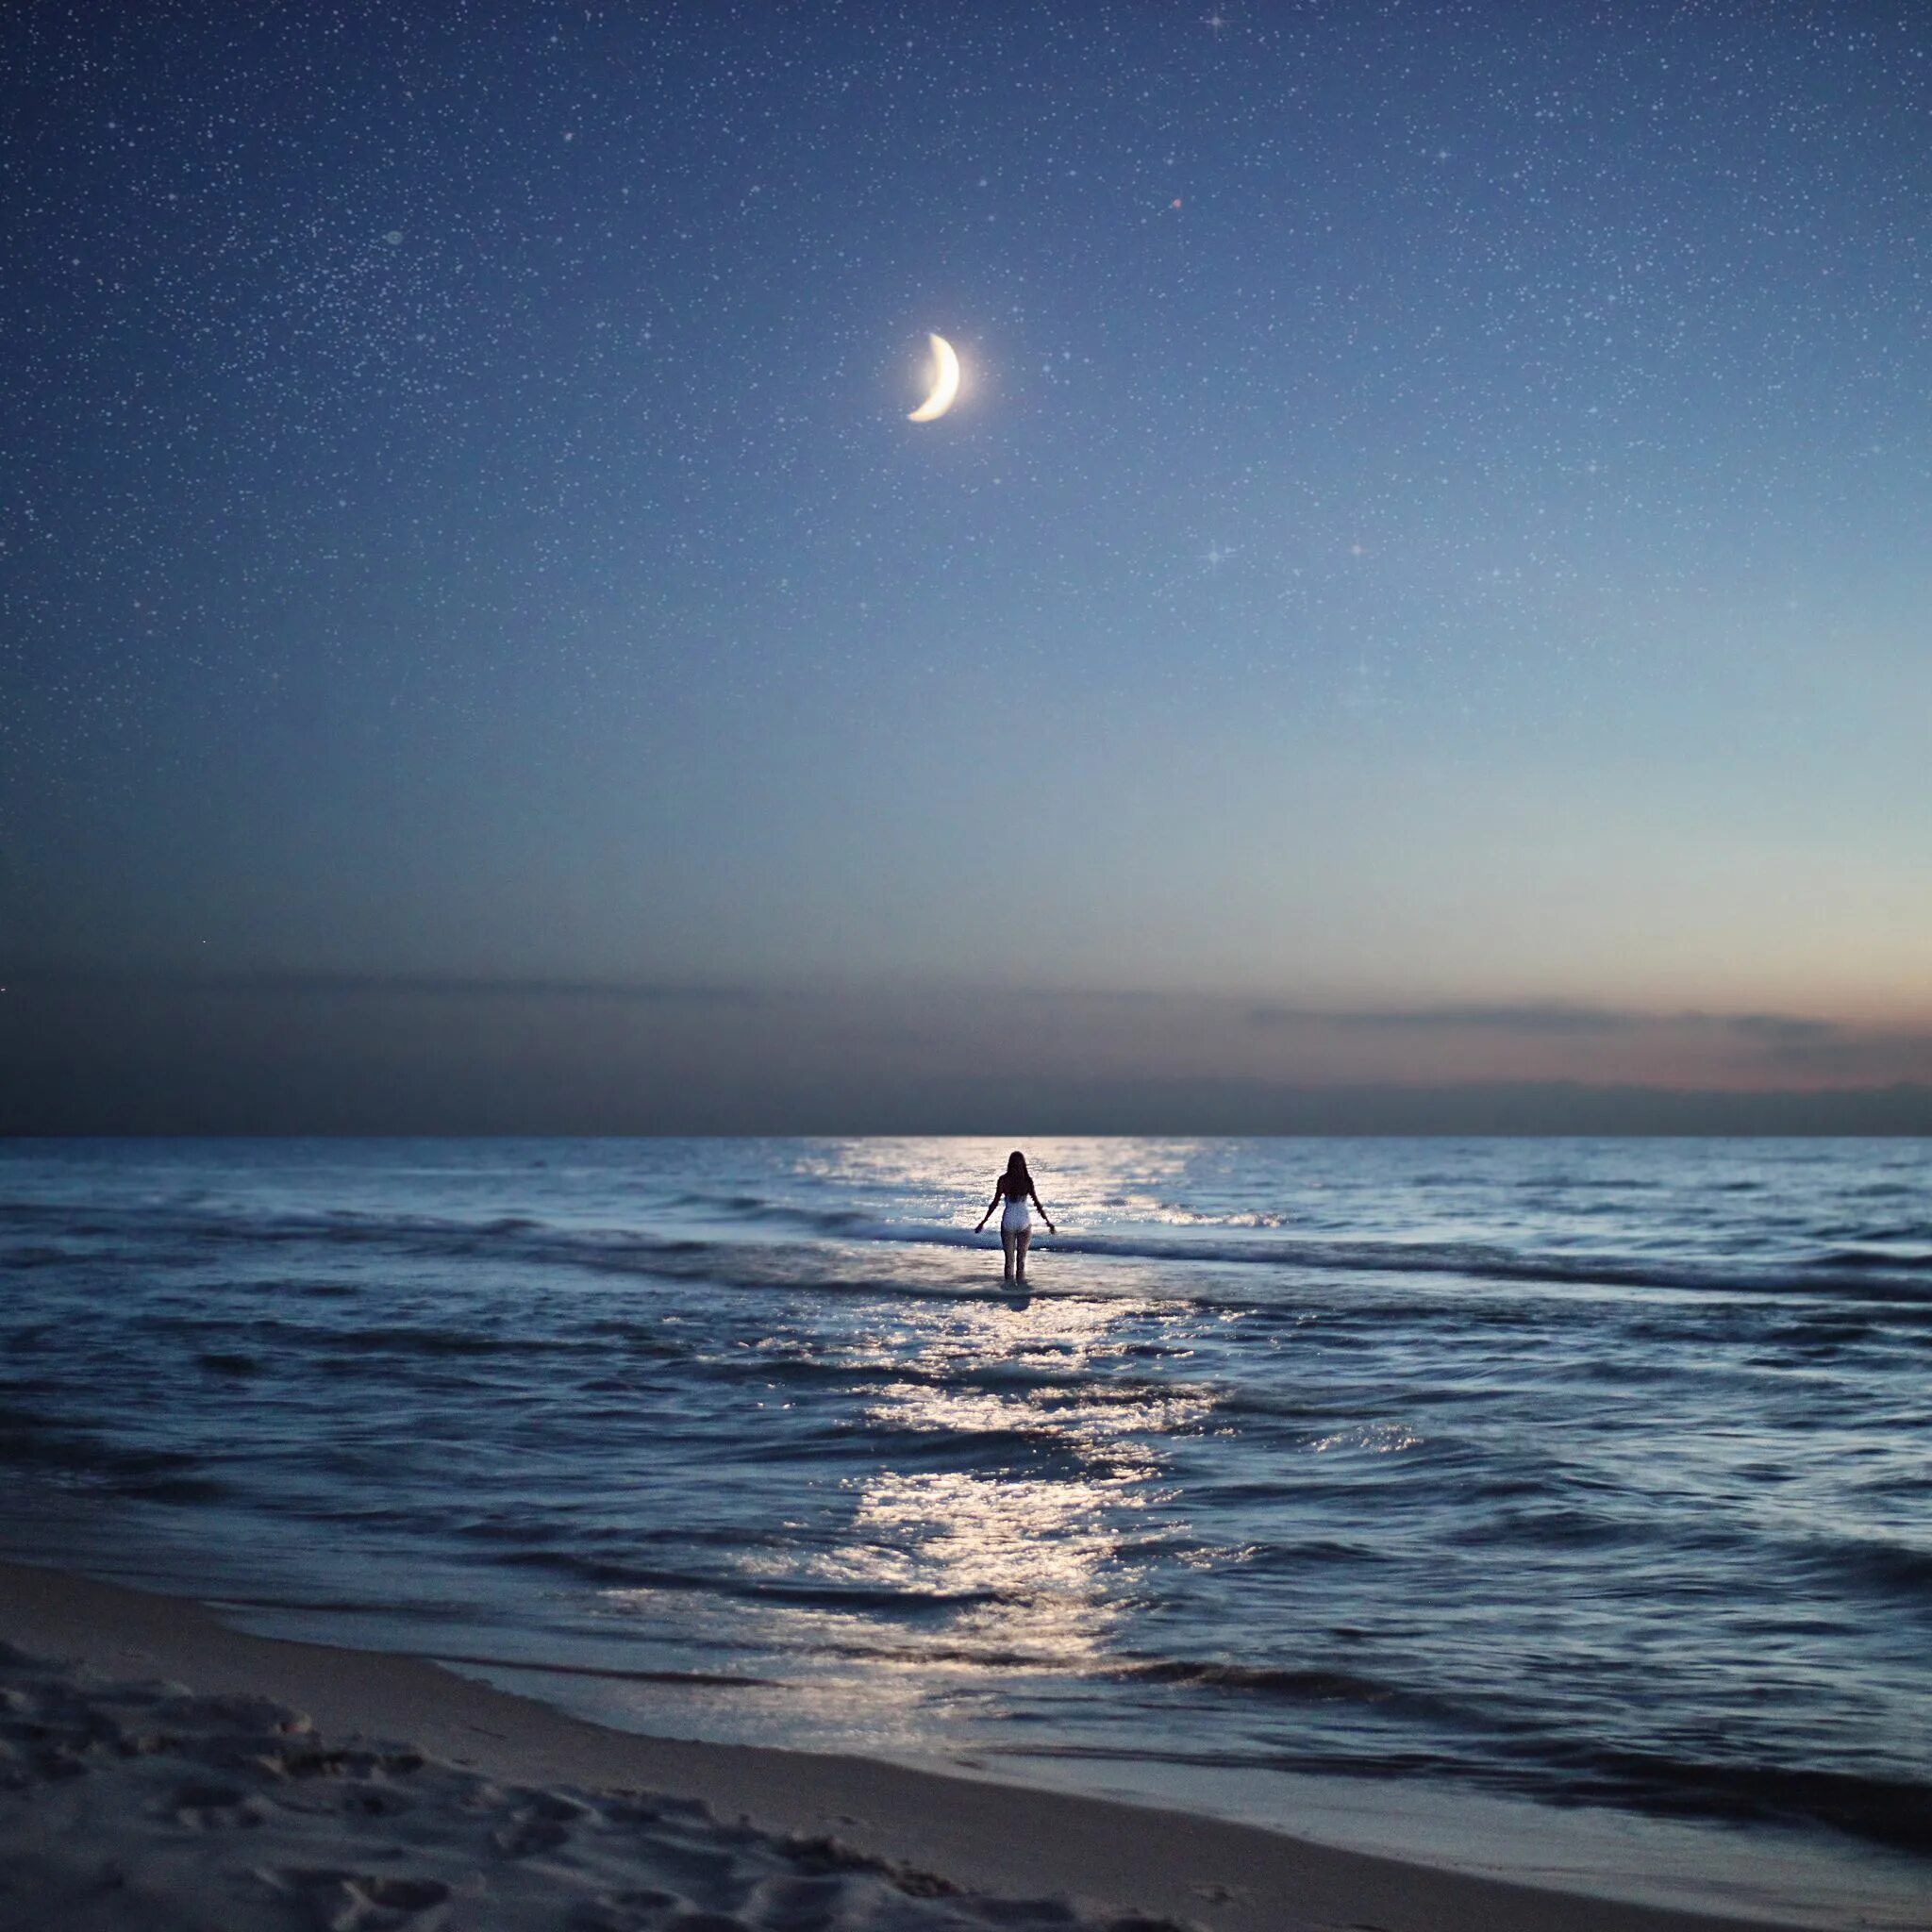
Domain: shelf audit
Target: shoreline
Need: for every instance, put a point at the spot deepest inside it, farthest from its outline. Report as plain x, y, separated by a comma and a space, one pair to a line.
986, 1838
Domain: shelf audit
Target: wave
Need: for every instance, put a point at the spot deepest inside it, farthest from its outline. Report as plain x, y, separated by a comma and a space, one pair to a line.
31, 1442
1869, 1274
1807, 1273
1882, 1810
1303, 1686
229, 1363
1881, 1565
609, 1575
708, 1680
1862, 1258
1879, 1810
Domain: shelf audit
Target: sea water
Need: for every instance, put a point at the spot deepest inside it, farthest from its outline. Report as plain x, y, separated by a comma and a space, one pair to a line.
1320, 1482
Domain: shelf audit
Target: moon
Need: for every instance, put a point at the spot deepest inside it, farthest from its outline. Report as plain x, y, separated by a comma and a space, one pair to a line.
945, 382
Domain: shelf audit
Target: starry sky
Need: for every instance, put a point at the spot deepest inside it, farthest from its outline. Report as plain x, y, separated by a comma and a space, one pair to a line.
1423, 590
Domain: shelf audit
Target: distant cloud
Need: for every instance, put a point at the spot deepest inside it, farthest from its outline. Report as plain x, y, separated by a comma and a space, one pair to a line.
1541, 1016
1529, 1016
1532, 1016
1689, 1043
113, 1051
1837, 1052
388, 986
1783, 1030
436, 985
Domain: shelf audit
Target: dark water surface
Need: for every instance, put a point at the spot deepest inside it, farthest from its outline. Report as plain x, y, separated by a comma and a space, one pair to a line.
1588, 1473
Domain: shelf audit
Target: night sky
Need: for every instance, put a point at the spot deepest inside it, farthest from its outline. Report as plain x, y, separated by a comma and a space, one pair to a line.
1425, 587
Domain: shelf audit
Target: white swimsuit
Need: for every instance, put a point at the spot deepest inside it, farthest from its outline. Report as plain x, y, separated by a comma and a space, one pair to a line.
1014, 1218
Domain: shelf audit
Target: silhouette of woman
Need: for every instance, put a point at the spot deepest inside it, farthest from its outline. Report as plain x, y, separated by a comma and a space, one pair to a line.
1015, 1188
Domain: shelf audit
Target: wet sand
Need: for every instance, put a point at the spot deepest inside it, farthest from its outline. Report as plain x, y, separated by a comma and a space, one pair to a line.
162, 1771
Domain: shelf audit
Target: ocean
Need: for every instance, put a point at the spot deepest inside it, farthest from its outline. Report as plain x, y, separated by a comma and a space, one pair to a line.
1581, 1483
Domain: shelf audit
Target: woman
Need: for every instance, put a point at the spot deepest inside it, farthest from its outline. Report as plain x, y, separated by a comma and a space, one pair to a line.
1015, 1188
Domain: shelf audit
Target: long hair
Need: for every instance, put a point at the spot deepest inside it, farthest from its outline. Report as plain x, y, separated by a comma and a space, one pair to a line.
1018, 1182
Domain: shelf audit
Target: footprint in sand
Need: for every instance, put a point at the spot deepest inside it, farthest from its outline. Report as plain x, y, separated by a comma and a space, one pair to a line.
217, 1807
357, 1901
646, 1911
624, 1911
543, 1825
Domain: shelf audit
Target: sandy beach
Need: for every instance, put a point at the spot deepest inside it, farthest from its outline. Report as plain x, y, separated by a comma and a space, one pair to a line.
157, 1770
966, 967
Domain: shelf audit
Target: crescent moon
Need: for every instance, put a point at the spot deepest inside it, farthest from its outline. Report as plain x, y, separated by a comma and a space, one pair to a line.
945, 382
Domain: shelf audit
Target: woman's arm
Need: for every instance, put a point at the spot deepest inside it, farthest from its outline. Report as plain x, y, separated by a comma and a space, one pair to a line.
1044, 1214
991, 1206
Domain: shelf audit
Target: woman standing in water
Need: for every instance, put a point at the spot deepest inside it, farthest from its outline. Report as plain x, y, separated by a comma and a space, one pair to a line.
1015, 1188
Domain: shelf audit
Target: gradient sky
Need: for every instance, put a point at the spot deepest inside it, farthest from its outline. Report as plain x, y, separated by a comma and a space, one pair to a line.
1426, 582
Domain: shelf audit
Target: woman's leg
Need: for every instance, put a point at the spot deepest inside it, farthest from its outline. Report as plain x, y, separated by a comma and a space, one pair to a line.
1007, 1240
1019, 1242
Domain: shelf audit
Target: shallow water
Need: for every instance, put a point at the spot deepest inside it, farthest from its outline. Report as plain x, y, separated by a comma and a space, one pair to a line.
1578, 1473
